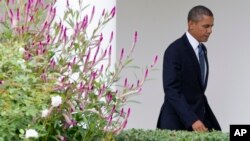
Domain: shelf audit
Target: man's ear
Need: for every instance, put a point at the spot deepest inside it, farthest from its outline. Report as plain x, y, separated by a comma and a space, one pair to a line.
191, 25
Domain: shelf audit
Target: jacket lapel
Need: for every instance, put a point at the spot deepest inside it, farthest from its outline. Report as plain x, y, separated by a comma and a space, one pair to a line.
192, 54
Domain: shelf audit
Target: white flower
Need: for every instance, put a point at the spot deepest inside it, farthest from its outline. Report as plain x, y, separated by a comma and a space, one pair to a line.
31, 133
22, 50
56, 101
45, 113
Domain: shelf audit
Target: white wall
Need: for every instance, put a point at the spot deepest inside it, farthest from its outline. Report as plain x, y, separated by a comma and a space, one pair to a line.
159, 22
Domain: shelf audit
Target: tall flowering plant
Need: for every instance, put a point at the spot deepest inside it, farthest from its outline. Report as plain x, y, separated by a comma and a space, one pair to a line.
60, 86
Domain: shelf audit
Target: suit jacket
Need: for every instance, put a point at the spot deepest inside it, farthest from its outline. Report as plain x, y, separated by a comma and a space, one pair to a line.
185, 101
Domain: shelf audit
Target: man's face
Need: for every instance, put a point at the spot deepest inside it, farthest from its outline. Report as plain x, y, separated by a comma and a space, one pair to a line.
201, 29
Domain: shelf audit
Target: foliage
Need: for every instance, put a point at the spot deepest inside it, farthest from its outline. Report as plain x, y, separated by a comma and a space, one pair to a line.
60, 86
167, 135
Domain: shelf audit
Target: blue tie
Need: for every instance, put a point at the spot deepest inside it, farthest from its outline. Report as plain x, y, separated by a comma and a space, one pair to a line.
202, 63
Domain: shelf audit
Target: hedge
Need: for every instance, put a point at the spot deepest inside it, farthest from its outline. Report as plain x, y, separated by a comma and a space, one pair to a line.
167, 135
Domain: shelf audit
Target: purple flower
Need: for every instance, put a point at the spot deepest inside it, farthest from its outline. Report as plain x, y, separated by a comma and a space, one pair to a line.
121, 112
146, 74
112, 13
122, 53
125, 82
155, 61
135, 37
111, 37
85, 22
68, 3
103, 12
128, 113
109, 97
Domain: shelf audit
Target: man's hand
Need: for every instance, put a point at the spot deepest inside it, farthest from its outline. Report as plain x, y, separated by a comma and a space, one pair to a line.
199, 126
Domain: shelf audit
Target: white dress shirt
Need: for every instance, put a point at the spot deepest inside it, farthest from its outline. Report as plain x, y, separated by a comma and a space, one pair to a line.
194, 43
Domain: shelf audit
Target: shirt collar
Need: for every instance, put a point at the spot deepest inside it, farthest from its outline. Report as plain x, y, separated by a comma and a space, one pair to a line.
194, 43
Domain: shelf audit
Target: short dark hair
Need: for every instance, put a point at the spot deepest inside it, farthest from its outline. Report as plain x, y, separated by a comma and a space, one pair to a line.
197, 12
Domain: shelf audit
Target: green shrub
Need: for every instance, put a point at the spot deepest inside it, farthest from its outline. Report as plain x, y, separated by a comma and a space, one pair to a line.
167, 135
57, 82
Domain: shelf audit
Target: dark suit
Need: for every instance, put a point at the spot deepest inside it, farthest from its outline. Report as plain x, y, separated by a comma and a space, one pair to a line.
185, 101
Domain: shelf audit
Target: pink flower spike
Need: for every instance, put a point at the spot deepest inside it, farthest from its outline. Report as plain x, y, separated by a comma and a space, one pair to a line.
121, 112
101, 38
12, 17
72, 107
65, 32
69, 65
48, 39
28, 8
81, 85
61, 31
122, 53
132, 86
146, 74
11, 13
111, 37
99, 93
62, 80
155, 60
53, 15
92, 13
103, 12
59, 25
93, 74
105, 52
113, 109
31, 18
44, 77
87, 57
124, 124
44, 26
139, 90
135, 37
67, 119
110, 119
138, 83
85, 22
125, 82
96, 52
52, 63
68, 3
101, 69
18, 14
109, 97
128, 113
110, 50
112, 13
74, 60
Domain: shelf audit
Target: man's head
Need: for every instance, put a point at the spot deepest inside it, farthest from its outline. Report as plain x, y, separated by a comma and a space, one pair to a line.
200, 23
